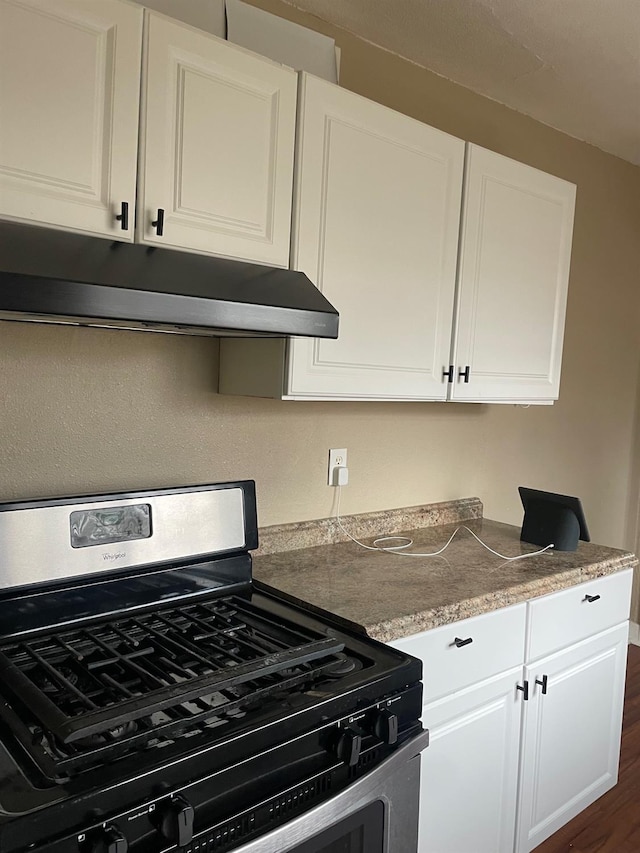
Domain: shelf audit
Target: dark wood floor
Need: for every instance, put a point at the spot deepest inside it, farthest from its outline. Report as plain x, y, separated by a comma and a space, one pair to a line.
612, 823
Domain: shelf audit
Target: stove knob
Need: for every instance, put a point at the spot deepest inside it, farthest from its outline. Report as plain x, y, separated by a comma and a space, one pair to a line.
175, 821
108, 840
385, 726
349, 746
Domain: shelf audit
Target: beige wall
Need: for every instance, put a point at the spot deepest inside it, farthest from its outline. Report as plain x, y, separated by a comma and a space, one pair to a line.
88, 410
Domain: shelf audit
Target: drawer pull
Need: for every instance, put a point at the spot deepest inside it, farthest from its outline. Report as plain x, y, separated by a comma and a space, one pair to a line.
458, 643
543, 684
524, 689
591, 598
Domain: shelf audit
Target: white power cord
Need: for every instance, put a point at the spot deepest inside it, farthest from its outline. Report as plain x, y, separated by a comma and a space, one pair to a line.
406, 542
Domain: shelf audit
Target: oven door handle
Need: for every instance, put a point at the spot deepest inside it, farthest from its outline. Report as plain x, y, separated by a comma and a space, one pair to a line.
295, 831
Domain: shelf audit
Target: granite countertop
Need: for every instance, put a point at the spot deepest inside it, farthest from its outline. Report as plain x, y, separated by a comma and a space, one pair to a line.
391, 596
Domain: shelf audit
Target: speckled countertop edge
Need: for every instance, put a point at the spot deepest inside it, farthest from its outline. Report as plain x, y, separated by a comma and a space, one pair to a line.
392, 598
414, 623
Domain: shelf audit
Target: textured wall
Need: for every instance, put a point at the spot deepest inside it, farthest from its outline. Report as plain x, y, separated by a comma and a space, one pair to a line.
88, 410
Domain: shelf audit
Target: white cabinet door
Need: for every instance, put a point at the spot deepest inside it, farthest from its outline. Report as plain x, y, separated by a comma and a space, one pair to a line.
571, 734
218, 128
469, 772
512, 281
69, 101
376, 229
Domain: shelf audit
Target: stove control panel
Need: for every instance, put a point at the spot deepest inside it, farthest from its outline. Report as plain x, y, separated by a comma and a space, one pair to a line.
355, 732
228, 805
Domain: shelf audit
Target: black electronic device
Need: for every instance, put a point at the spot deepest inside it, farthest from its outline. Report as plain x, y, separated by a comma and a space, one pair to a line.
554, 519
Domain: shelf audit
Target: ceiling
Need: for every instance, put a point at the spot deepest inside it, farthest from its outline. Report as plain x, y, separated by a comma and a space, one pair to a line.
572, 64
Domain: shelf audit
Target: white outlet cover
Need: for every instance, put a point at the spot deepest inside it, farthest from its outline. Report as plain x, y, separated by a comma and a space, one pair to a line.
337, 459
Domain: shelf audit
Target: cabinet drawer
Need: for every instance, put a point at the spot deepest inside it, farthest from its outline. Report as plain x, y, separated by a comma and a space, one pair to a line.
497, 643
562, 618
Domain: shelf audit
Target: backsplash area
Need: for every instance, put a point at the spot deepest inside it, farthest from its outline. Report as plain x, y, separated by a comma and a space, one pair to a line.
326, 531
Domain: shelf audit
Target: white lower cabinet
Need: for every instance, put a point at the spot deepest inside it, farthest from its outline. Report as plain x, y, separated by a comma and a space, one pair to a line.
534, 738
571, 733
469, 779
469, 772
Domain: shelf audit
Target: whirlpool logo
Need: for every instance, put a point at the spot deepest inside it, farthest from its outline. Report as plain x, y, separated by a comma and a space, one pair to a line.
114, 556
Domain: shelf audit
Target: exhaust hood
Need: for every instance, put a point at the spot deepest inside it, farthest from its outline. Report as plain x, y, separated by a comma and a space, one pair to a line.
51, 276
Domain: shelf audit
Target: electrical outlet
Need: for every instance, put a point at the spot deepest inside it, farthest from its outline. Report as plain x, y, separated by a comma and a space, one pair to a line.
337, 459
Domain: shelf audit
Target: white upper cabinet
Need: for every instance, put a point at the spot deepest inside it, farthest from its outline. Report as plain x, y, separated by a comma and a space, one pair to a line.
218, 133
376, 221
376, 229
512, 281
69, 98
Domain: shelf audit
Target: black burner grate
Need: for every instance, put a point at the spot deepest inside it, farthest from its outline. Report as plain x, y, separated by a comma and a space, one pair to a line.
186, 726
138, 677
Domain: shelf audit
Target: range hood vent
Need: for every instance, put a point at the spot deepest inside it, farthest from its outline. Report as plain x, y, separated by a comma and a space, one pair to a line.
52, 276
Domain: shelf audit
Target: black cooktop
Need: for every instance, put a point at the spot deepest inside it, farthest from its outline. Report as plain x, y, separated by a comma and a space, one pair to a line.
111, 700
87, 694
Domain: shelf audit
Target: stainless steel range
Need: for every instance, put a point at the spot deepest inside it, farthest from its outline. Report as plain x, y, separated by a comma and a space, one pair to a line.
154, 698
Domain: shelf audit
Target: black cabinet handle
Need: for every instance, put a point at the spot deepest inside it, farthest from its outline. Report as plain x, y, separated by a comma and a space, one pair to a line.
464, 373
591, 598
123, 216
158, 223
543, 684
525, 689
448, 374
458, 643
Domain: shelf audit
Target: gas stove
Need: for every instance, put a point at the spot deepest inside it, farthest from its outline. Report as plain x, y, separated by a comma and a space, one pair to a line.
154, 697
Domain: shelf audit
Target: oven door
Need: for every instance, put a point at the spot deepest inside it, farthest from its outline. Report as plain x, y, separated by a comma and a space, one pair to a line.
376, 814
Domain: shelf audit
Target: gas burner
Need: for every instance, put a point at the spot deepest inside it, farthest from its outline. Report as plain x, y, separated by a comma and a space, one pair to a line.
124, 730
343, 666
47, 686
117, 733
